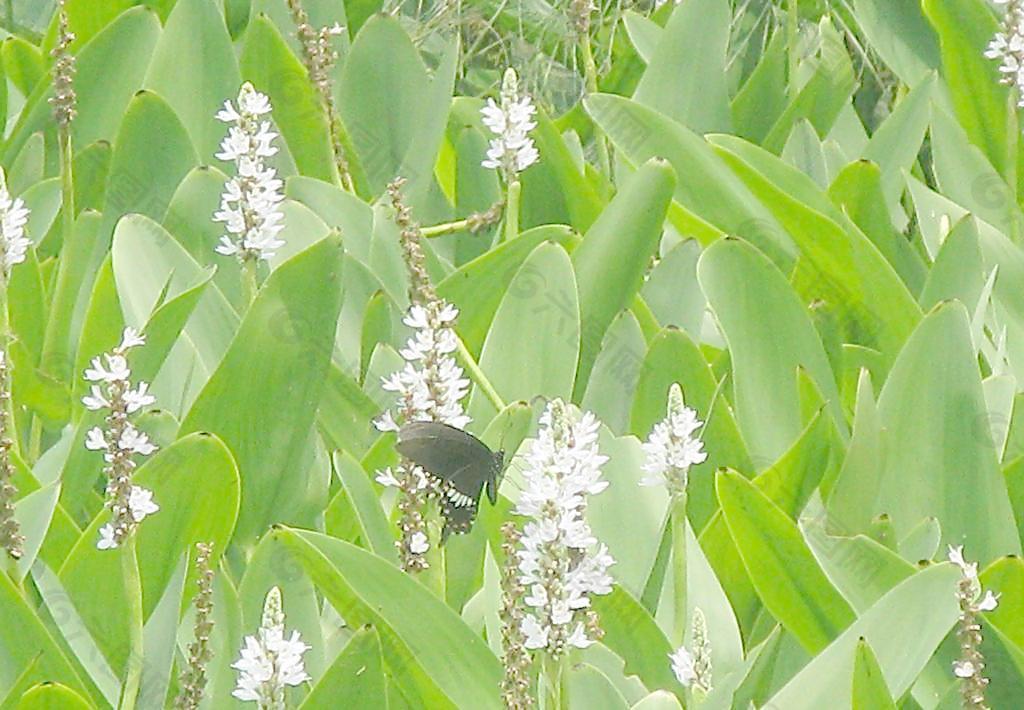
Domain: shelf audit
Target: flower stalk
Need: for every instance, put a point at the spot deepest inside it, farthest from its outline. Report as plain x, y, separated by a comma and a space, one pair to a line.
193, 678
970, 666
515, 686
692, 666
11, 538
136, 624
319, 56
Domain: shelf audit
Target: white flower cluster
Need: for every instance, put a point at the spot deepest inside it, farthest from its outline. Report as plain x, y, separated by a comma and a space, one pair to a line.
561, 563
979, 602
250, 205
693, 670
112, 390
672, 447
1008, 47
13, 218
512, 150
430, 386
270, 660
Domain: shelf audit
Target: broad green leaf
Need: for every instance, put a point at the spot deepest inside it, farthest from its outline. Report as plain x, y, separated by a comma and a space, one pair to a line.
958, 271
478, 287
839, 264
658, 700
781, 565
672, 291
869, 689
373, 525
769, 337
762, 98
718, 196
195, 483
152, 154
903, 628
964, 28
86, 18
899, 32
158, 639
822, 98
616, 371
632, 633
102, 95
611, 260
542, 293
686, 78
195, 70
954, 476
356, 676
24, 640
34, 513
431, 654
23, 64
586, 687
382, 99
276, 363
272, 68
52, 696
1005, 577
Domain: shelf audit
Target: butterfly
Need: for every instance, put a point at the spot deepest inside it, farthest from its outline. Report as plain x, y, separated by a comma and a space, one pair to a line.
459, 464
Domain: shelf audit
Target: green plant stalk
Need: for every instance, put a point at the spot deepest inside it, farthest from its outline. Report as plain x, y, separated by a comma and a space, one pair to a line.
478, 376
677, 520
54, 360
515, 189
439, 230
63, 299
249, 282
551, 683
5, 341
792, 33
133, 594
433, 577
590, 78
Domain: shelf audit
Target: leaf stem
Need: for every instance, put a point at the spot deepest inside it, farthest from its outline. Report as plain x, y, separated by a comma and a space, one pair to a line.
478, 376
678, 523
5, 344
515, 189
439, 230
133, 595
792, 35
551, 683
249, 283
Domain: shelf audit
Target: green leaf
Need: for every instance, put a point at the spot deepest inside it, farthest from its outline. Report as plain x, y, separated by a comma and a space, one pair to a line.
34, 513
195, 70
769, 337
616, 371
869, 689
276, 364
980, 99
478, 287
272, 68
611, 260
781, 565
23, 64
1005, 577
686, 77
195, 483
899, 32
24, 641
52, 696
152, 154
632, 633
954, 476
542, 293
903, 628
356, 675
431, 654
762, 99
719, 197
586, 687
382, 99
373, 525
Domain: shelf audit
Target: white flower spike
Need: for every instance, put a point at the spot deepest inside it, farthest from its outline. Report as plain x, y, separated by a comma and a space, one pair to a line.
270, 661
250, 204
512, 150
672, 448
13, 218
561, 562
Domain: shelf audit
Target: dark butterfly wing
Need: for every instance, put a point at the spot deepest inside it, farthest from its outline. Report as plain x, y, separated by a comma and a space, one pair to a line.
448, 453
460, 466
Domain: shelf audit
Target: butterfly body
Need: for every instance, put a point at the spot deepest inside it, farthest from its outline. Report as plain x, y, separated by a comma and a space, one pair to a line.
460, 465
